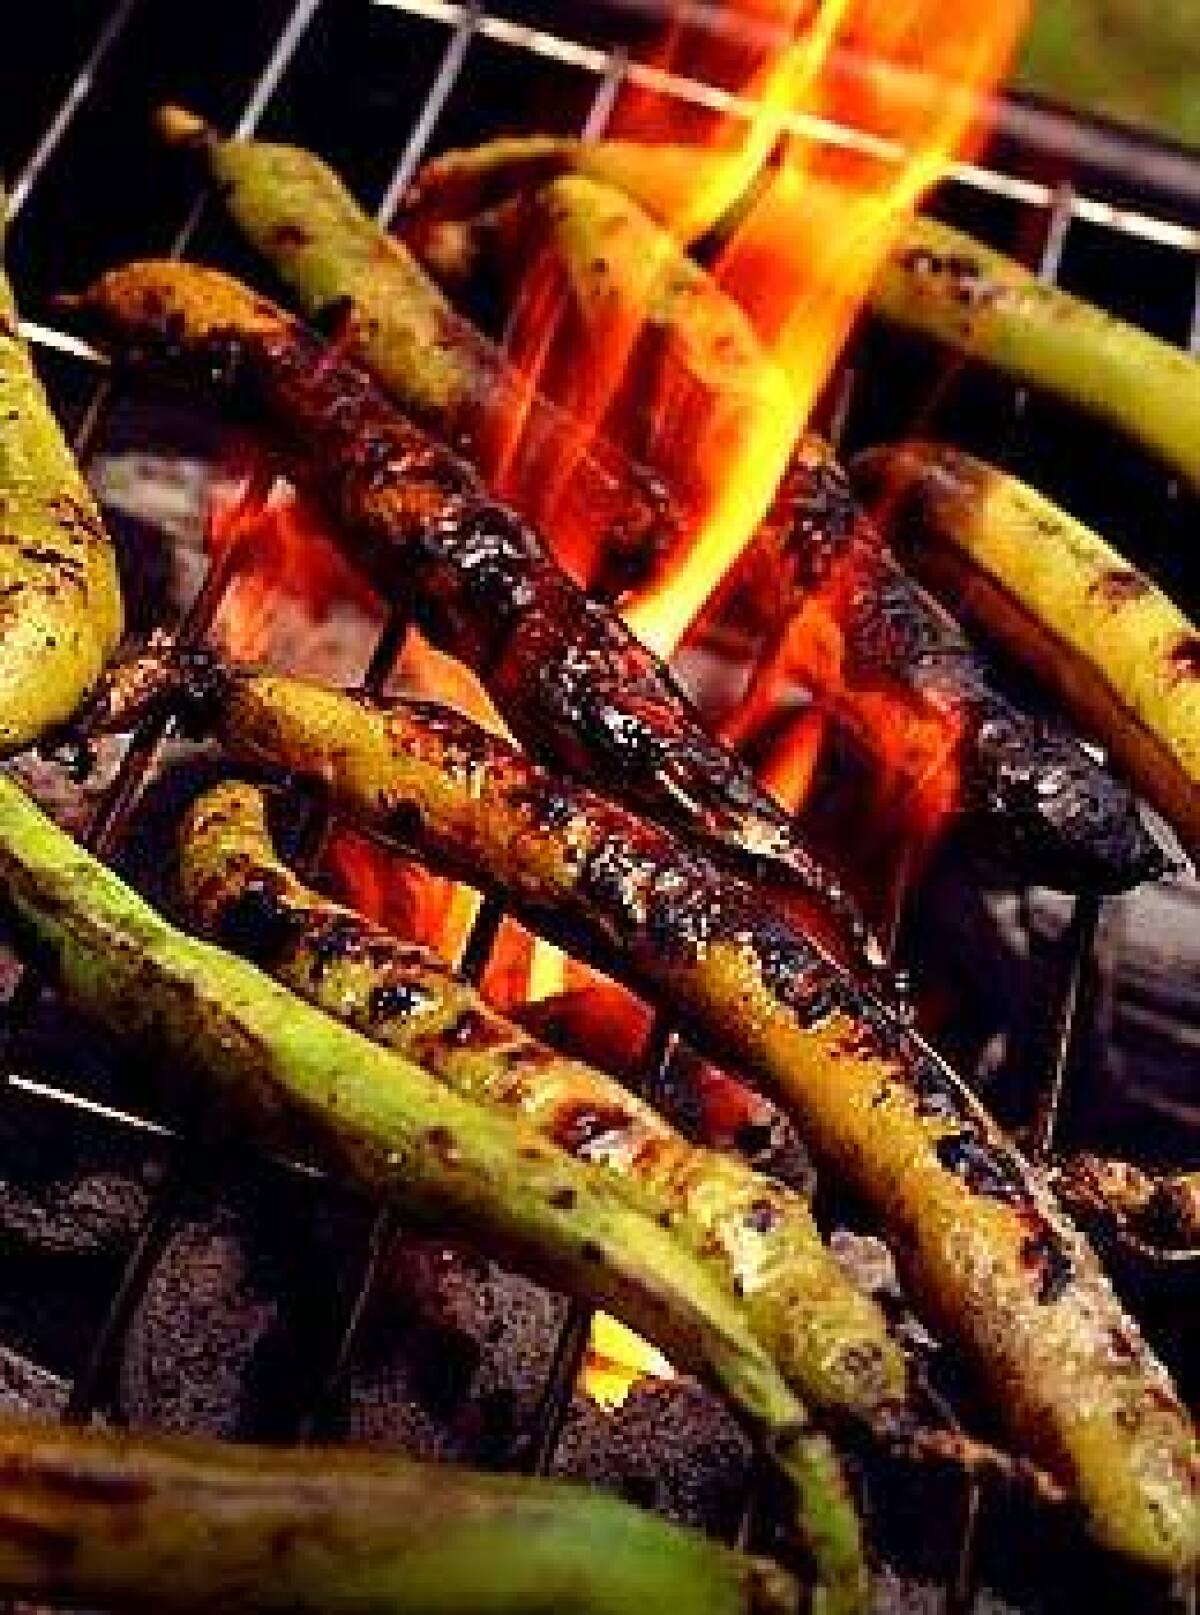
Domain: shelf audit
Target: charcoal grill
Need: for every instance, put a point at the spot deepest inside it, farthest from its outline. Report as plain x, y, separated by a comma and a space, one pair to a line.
377, 87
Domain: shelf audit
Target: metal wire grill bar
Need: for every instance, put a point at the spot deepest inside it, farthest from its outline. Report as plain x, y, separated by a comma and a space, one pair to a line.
80, 89
466, 22
646, 76
115, 811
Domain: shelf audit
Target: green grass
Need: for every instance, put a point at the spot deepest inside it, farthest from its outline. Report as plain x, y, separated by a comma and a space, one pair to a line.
1135, 60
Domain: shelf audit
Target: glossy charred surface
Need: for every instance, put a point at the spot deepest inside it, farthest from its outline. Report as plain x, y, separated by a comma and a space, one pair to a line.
974, 1230
568, 676
395, 1133
361, 283
940, 740
1022, 788
828, 1339
1114, 649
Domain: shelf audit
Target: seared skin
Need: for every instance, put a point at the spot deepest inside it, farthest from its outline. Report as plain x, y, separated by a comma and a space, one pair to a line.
838, 613
1159, 1209
599, 505
60, 597
567, 675
975, 1231
936, 281
99, 1517
1117, 652
827, 1338
391, 1129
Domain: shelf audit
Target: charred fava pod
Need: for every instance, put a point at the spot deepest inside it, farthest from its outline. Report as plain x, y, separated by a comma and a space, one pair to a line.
1116, 651
60, 596
838, 614
978, 1238
936, 281
828, 1339
98, 1517
597, 504
567, 675
399, 1135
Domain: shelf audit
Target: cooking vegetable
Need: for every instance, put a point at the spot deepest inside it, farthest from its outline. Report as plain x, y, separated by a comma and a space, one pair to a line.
136, 1521
1119, 655
60, 597
936, 280
398, 1134
827, 1338
975, 1232
839, 614
563, 669
596, 503
1160, 1209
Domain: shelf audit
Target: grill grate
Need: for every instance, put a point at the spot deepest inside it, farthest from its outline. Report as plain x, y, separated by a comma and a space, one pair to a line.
453, 36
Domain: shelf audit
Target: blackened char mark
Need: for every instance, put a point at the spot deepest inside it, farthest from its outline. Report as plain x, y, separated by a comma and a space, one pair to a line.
1119, 585
565, 671
1183, 659
579, 1126
1045, 1254
399, 998
257, 922
966, 279
331, 938
983, 1167
476, 1030
291, 236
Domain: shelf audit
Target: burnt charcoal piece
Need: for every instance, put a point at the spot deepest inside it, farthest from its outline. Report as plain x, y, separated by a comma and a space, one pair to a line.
671, 1446
237, 1308
452, 1356
72, 1195
29, 1390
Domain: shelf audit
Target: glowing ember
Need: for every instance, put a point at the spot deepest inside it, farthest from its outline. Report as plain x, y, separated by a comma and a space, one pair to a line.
616, 1361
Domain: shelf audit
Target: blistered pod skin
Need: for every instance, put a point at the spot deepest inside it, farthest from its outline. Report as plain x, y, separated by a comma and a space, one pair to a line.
936, 281
1116, 651
567, 675
607, 515
829, 1340
399, 1135
837, 613
134, 1521
981, 1244
60, 597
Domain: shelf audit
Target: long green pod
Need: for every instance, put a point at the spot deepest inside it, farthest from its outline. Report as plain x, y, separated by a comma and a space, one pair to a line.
1117, 652
566, 672
979, 1240
936, 280
60, 596
828, 1339
600, 507
400, 1135
940, 738
101, 1517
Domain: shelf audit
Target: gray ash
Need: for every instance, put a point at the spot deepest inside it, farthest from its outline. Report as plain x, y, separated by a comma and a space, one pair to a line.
671, 1446
452, 1356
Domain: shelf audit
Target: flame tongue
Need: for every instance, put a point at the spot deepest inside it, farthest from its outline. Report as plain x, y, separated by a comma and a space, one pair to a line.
906, 79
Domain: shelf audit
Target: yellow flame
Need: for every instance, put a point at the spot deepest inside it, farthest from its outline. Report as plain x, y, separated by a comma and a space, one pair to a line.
616, 1360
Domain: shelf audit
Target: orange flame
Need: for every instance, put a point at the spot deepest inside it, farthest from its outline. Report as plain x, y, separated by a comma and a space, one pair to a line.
800, 273
286, 577
907, 79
